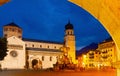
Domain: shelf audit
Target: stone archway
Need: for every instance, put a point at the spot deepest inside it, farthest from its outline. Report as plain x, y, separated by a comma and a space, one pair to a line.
108, 13
36, 64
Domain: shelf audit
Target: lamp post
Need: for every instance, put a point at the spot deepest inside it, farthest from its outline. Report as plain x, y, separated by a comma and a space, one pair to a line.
84, 61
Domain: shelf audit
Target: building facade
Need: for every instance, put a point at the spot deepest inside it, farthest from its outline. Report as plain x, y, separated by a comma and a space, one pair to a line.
107, 53
93, 59
45, 52
89, 59
102, 57
16, 54
30, 53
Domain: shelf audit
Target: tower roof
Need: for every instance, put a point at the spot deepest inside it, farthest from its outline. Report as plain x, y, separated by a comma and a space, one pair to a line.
12, 24
69, 26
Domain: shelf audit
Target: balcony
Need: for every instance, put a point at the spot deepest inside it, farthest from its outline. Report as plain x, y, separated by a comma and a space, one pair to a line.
91, 57
105, 57
104, 52
91, 53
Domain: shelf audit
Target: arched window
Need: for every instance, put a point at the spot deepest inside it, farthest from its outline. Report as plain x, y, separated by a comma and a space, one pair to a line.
57, 58
40, 46
42, 58
5, 35
6, 29
68, 33
26, 45
13, 29
71, 33
48, 46
55, 47
20, 37
10, 29
50, 58
33, 45
19, 31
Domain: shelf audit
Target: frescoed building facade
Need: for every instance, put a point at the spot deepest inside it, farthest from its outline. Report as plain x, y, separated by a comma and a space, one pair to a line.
102, 57
89, 59
107, 53
93, 59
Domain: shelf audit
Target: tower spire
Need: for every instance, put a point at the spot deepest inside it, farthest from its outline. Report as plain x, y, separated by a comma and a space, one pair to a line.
69, 25
69, 21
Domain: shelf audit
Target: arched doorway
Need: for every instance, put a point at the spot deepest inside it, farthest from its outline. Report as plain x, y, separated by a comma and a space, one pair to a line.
36, 64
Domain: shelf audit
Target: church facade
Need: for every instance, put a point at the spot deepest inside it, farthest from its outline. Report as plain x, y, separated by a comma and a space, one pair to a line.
30, 53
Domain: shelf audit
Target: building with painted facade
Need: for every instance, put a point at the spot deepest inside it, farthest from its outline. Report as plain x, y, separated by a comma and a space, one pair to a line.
89, 59
102, 57
108, 54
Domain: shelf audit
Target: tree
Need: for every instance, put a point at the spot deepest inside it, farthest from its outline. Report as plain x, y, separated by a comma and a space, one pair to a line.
3, 48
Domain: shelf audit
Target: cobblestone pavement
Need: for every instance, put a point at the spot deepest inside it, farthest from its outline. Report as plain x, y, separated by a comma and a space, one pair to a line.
59, 73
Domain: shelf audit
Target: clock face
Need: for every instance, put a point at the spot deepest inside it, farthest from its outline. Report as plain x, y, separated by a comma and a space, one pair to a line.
13, 53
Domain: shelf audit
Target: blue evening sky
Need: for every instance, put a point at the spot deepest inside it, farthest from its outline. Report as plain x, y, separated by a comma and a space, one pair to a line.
46, 19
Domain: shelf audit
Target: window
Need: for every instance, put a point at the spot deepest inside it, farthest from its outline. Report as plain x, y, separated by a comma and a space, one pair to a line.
32, 45
55, 47
5, 35
50, 58
10, 29
71, 32
19, 31
57, 57
68, 32
40, 45
48, 46
6, 29
13, 30
19, 37
13, 53
42, 58
25, 44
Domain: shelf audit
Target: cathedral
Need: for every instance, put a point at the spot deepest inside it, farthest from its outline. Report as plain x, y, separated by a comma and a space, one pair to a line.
30, 53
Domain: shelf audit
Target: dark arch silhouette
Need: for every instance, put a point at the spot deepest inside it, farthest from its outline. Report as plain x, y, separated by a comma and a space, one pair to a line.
34, 63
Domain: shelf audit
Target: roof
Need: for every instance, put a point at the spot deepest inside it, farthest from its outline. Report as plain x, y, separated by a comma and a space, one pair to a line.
69, 26
43, 49
42, 41
12, 24
107, 40
86, 49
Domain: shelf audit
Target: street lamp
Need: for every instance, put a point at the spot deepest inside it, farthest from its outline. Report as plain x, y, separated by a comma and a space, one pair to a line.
3, 2
84, 60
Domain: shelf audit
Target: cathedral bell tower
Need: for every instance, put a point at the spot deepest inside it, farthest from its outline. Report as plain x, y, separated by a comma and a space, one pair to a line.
69, 40
12, 29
